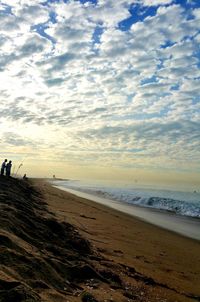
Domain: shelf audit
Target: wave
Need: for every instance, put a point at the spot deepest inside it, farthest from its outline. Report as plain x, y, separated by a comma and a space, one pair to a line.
187, 205
179, 207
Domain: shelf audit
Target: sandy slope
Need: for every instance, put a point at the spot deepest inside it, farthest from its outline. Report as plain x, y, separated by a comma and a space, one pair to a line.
71, 249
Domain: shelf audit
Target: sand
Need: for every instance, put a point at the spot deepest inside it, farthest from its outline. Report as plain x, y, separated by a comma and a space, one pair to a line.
59, 247
171, 260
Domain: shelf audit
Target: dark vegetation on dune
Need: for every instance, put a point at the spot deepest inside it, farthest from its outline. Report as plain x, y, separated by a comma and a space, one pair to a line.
38, 253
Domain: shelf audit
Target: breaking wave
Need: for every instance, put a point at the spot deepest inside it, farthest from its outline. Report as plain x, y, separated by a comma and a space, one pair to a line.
180, 203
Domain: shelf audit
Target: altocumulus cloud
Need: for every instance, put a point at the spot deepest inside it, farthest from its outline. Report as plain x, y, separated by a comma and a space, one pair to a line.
110, 79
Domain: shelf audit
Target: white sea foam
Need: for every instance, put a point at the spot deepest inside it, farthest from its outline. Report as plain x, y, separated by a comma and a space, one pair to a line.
181, 203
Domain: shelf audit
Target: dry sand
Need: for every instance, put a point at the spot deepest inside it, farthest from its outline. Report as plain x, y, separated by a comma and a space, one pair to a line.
72, 249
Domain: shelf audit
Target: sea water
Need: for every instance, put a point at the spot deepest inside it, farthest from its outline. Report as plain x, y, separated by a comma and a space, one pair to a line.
178, 202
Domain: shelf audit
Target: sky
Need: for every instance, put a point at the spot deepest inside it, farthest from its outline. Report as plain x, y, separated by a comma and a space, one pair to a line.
101, 89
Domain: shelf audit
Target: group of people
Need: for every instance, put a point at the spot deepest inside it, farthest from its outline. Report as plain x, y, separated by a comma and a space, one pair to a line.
6, 167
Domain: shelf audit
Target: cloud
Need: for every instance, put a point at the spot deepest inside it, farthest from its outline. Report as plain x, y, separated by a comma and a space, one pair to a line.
156, 2
31, 14
132, 92
14, 139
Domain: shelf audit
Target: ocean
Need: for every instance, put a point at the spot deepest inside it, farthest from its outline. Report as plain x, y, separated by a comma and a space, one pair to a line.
178, 202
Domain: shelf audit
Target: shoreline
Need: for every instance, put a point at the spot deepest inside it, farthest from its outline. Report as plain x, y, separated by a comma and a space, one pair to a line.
171, 260
182, 225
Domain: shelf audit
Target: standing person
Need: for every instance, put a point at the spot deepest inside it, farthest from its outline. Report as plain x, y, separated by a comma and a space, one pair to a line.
8, 168
3, 167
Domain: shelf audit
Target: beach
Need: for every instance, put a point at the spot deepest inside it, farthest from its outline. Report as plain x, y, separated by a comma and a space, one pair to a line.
170, 259
185, 225
56, 246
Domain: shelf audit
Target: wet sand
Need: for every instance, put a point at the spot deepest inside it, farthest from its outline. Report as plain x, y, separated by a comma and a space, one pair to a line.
184, 225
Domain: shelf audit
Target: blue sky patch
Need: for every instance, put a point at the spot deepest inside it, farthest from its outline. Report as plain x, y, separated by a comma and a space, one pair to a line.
175, 87
97, 34
130, 97
6, 9
91, 1
167, 43
188, 4
138, 14
40, 29
52, 16
151, 80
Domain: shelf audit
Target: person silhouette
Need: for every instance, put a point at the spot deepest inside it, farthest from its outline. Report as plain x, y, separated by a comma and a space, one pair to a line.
3, 167
8, 168
25, 177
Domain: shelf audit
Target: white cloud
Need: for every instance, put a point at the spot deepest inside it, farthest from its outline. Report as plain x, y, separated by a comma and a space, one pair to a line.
31, 13
196, 13
138, 87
